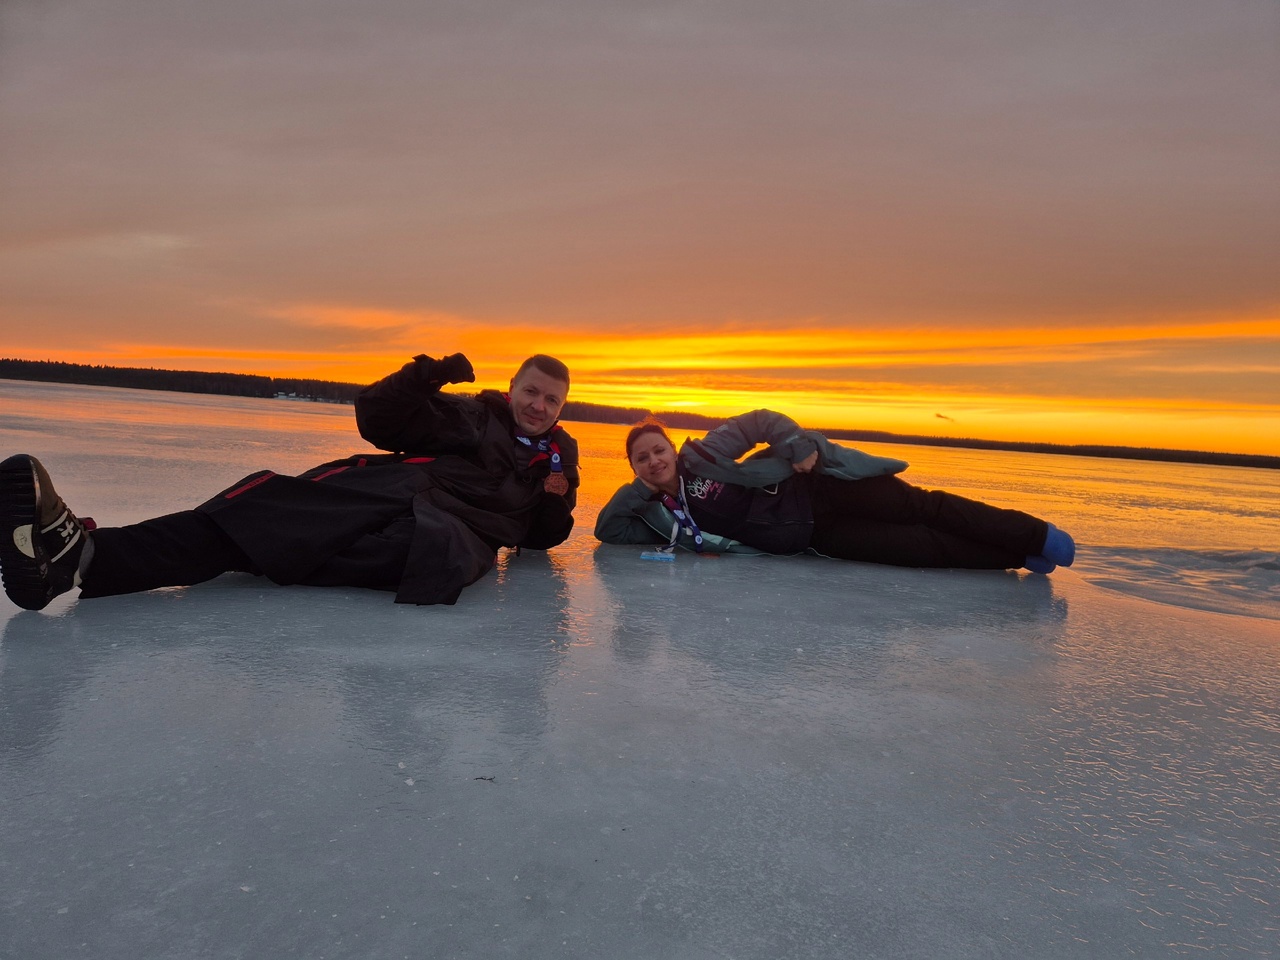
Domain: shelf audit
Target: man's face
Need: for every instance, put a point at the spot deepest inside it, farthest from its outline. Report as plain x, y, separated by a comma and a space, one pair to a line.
536, 400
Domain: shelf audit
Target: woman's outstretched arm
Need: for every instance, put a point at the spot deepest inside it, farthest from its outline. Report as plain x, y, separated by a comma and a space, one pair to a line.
622, 518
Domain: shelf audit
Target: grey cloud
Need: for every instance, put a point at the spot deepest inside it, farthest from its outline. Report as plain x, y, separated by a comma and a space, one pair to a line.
584, 162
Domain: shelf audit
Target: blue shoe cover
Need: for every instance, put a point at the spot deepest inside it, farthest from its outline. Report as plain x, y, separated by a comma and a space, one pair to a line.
1040, 564
1058, 547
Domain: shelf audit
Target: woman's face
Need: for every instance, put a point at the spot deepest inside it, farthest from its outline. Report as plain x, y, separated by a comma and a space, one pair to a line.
653, 460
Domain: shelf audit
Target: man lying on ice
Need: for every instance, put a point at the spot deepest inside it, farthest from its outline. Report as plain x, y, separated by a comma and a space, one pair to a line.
465, 476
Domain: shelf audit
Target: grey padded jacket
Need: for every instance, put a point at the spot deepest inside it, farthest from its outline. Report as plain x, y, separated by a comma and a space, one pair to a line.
632, 515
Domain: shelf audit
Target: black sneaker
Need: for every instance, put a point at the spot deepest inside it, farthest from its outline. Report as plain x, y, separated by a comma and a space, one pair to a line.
40, 539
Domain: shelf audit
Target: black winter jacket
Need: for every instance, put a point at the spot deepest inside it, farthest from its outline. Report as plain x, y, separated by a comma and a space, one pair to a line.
456, 485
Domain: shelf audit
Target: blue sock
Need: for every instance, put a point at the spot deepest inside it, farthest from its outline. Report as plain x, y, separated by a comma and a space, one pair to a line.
1058, 547
1039, 564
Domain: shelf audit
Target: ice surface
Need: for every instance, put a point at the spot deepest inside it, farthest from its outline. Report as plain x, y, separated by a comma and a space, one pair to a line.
593, 755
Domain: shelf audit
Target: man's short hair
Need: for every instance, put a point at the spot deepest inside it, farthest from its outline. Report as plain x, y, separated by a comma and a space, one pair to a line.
548, 365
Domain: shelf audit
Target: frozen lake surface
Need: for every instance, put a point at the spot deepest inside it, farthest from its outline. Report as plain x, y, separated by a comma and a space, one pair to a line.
592, 755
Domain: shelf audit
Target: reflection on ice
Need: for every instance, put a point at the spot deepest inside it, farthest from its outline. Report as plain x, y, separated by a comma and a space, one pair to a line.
1244, 582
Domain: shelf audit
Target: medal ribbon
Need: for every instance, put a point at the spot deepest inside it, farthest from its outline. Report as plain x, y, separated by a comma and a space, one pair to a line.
684, 519
543, 446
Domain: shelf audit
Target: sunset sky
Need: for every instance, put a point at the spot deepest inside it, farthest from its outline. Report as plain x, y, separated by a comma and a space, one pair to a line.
1013, 219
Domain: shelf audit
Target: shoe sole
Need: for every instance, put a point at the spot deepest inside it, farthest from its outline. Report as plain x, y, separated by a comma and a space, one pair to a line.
24, 577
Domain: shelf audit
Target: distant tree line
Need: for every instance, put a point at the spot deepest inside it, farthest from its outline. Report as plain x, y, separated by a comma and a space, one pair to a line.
1066, 449
697, 421
333, 391
601, 413
250, 385
185, 381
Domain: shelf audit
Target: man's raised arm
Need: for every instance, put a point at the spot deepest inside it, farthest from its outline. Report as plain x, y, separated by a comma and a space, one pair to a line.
405, 413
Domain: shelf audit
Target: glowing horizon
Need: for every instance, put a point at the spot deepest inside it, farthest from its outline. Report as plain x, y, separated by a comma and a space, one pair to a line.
937, 382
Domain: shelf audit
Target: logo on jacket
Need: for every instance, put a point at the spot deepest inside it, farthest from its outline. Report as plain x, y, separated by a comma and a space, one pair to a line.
702, 488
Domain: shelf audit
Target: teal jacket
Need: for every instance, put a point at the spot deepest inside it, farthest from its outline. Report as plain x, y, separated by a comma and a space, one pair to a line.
632, 515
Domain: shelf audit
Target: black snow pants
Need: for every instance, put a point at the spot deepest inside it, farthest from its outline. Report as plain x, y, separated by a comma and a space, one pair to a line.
186, 548
887, 520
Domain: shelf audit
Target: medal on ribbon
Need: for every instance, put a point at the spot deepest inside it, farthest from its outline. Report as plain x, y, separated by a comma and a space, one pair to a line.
556, 482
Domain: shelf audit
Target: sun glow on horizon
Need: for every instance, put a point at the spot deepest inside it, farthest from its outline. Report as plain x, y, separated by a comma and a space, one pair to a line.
1128, 385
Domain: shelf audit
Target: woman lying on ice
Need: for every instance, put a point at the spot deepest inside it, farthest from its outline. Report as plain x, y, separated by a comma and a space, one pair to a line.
806, 493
